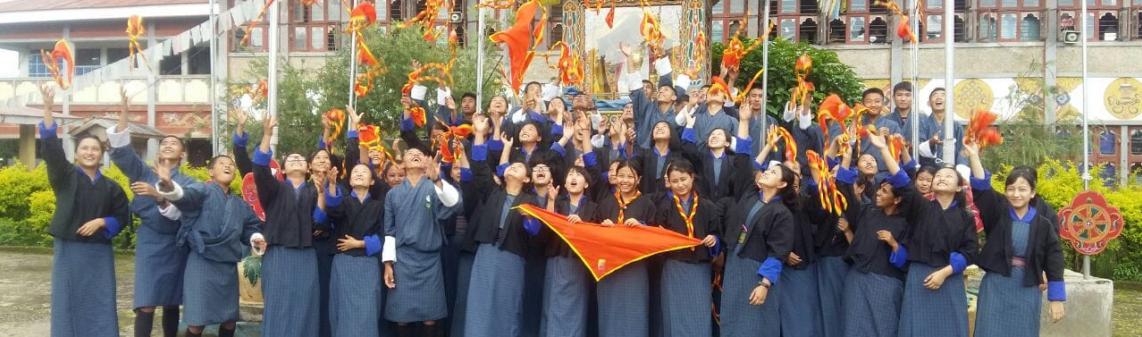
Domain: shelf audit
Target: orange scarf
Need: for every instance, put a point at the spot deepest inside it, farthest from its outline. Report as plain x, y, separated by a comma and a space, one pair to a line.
623, 204
688, 219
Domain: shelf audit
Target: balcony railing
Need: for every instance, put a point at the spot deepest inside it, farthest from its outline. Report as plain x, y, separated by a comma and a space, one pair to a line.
173, 89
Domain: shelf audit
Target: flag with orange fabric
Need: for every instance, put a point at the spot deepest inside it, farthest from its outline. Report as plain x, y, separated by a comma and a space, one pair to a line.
605, 250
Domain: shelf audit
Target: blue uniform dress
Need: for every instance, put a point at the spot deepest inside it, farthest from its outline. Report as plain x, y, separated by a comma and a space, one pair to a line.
83, 268
412, 218
355, 294
686, 295
624, 295
159, 262
760, 236
1006, 307
216, 227
289, 267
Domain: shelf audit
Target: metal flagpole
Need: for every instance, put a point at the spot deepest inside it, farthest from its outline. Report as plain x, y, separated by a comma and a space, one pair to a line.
272, 87
915, 113
949, 33
215, 144
764, 74
480, 27
1086, 128
353, 66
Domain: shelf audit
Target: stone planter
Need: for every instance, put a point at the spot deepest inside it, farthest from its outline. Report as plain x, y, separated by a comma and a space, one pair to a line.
250, 302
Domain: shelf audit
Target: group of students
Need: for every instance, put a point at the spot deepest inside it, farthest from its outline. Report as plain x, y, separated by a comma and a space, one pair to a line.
417, 244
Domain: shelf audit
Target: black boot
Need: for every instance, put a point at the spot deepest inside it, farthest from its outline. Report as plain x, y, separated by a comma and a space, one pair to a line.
144, 321
170, 321
224, 332
192, 334
428, 330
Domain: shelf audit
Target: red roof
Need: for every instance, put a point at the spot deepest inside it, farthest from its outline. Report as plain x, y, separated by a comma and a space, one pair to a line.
26, 5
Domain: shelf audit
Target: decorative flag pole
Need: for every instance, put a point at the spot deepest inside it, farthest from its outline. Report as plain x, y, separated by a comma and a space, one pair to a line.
949, 152
914, 119
764, 65
1086, 128
215, 144
479, 37
275, 37
352, 65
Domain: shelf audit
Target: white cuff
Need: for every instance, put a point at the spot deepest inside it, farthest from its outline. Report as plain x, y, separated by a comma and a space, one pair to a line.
683, 81
805, 121
662, 66
733, 143
170, 212
442, 95
964, 171
788, 115
255, 237
925, 149
447, 194
681, 116
418, 92
174, 195
389, 249
550, 91
119, 139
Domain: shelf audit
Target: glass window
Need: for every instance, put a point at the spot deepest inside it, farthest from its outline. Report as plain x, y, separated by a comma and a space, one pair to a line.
717, 30
87, 57
933, 4
837, 31
1106, 142
116, 54
198, 60
1090, 26
789, 6
808, 31
171, 65
1007, 31
1031, 3
789, 29
257, 40
737, 6
718, 8
333, 8
987, 3
300, 38
1010, 3
934, 26
1109, 2
857, 29
1108, 27
1136, 142
1030, 29
878, 29
860, 5
1066, 3
36, 67
987, 28
317, 38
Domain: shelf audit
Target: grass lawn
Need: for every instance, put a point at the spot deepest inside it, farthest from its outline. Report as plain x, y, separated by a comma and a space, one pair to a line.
1127, 313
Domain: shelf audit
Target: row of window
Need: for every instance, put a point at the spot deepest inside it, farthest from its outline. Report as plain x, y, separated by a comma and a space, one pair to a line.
1108, 143
89, 59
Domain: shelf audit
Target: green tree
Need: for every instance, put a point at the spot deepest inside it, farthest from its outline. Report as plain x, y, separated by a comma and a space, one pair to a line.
829, 75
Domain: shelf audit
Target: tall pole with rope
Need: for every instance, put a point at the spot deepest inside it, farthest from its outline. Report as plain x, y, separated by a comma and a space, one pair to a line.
272, 81
1086, 127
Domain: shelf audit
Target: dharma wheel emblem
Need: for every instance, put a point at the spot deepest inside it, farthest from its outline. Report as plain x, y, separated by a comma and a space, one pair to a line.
1089, 223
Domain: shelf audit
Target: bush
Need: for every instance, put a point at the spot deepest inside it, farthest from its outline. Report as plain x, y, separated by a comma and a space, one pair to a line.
829, 75
27, 212
1059, 182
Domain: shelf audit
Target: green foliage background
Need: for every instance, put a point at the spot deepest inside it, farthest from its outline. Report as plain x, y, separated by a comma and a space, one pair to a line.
829, 74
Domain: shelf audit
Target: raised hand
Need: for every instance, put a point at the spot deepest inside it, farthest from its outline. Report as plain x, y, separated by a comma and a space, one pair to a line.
48, 94
433, 169
124, 101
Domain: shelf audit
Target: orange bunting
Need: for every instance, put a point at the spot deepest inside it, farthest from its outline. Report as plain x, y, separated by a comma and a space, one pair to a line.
418, 115
522, 38
610, 18
651, 30
605, 250
336, 117
831, 198
135, 30
445, 140
895, 145
370, 138
833, 107
803, 92
790, 143
363, 16
426, 18
749, 86
497, 4
61, 53
981, 129
570, 66
736, 50
903, 29
718, 86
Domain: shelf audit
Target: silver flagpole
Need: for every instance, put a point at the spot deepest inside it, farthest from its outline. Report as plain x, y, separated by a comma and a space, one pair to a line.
479, 35
764, 74
949, 152
215, 144
353, 65
1086, 128
272, 87
914, 115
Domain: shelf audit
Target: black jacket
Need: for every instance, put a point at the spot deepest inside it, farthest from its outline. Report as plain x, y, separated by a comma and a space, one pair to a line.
768, 234
707, 221
1043, 249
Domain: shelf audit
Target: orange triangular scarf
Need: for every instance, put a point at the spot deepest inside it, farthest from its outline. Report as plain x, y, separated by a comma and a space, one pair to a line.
607, 249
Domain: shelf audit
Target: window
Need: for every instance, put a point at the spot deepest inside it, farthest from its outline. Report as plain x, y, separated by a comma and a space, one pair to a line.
1007, 26
36, 67
1138, 23
86, 60
1107, 27
859, 29
1029, 31
1136, 142
808, 30
987, 29
198, 62
116, 54
878, 31
717, 30
836, 31
1107, 143
171, 65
